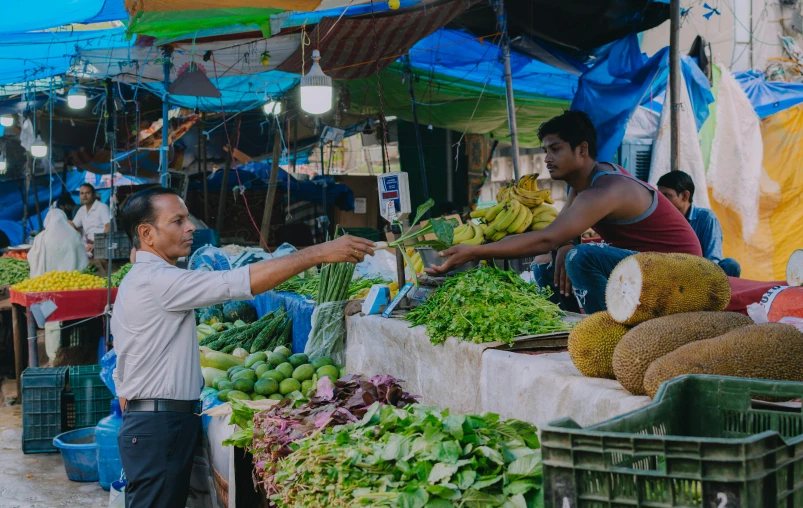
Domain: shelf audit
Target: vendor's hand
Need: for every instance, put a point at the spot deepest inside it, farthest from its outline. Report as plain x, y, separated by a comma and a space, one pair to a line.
346, 249
562, 283
457, 255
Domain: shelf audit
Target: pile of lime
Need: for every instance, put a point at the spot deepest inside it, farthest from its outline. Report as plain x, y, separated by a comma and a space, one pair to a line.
276, 375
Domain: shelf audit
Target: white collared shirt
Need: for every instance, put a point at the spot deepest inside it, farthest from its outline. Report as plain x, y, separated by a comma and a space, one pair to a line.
153, 325
93, 220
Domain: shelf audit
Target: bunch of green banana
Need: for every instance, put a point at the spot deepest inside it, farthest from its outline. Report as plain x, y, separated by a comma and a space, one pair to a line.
468, 234
543, 215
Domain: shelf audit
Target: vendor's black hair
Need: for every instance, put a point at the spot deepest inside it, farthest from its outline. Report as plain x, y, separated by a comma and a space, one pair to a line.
678, 181
573, 127
91, 187
140, 210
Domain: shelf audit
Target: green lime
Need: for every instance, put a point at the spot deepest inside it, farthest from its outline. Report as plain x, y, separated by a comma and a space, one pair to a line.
286, 368
273, 374
283, 350
289, 385
243, 385
253, 358
276, 359
303, 372
266, 386
322, 361
298, 359
223, 395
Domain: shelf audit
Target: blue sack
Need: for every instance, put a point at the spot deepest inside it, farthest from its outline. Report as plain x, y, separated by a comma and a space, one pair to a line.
107, 365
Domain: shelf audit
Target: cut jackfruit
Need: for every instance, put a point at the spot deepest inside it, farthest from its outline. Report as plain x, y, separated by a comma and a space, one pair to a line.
654, 338
591, 344
650, 285
765, 351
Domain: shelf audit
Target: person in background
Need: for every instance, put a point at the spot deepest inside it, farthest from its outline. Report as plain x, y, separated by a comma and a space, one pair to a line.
158, 375
92, 217
678, 187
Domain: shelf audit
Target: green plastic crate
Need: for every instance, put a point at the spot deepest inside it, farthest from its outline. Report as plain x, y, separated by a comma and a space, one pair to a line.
91, 395
43, 415
702, 442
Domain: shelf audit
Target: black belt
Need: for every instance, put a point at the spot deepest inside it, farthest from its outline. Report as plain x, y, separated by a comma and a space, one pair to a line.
164, 405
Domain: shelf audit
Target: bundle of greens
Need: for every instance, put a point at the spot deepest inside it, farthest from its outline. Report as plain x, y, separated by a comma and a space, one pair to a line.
414, 457
269, 435
117, 277
309, 287
13, 271
487, 305
271, 330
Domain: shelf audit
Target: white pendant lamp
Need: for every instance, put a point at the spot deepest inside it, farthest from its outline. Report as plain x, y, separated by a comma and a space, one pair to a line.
76, 99
6, 120
39, 148
316, 88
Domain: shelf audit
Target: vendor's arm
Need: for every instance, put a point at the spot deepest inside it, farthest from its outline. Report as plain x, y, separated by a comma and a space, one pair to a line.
586, 210
183, 290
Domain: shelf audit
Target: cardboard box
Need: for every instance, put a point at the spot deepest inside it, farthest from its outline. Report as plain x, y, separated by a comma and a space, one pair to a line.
366, 203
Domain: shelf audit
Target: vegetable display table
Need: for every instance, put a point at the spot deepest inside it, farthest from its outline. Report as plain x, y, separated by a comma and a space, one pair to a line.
473, 378
70, 305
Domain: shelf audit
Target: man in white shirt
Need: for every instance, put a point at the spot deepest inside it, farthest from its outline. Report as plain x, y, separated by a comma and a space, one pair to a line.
158, 375
92, 216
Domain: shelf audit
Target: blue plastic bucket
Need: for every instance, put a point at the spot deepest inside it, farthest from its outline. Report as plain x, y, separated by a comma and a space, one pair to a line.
79, 452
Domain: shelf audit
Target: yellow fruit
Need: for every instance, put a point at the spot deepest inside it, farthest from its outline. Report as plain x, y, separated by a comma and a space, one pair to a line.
478, 236
545, 216
519, 220
657, 337
538, 226
527, 221
592, 342
494, 211
765, 351
505, 219
498, 236
649, 285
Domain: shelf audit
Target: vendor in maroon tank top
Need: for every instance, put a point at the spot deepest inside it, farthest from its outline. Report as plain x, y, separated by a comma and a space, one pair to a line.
629, 215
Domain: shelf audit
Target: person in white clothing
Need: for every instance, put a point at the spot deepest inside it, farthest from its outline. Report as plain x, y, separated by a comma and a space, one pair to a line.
92, 217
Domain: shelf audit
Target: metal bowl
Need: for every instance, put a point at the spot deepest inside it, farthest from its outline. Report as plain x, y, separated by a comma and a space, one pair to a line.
430, 258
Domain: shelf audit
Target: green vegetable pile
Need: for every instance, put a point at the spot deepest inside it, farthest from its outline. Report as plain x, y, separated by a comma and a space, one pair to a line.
487, 305
271, 330
90, 270
117, 277
13, 271
310, 287
414, 457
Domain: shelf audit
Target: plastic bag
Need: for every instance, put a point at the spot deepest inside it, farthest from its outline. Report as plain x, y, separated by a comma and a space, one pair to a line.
327, 337
381, 264
107, 365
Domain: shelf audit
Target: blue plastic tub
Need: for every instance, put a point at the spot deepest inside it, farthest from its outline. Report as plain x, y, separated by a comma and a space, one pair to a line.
79, 452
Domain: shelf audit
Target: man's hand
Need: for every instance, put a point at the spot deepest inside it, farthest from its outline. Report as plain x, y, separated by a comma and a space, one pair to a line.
346, 249
562, 283
457, 255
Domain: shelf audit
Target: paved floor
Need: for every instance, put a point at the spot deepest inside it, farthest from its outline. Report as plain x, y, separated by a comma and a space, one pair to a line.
38, 480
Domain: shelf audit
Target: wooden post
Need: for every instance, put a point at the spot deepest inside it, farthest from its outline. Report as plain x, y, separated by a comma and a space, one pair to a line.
270, 197
36, 196
221, 204
20, 344
202, 166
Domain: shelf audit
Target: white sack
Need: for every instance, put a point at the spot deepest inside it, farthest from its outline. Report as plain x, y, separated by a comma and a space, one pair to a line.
57, 247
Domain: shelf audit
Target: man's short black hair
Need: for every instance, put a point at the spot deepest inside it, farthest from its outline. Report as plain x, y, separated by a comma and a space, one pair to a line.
678, 181
140, 210
573, 127
90, 187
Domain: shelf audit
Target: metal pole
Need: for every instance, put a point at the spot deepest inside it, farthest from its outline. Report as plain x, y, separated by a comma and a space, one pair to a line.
164, 178
674, 82
111, 137
202, 166
33, 346
511, 105
270, 197
409, 75
325, 215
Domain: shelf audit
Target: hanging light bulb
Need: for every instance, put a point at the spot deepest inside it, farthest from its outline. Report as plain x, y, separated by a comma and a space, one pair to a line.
3, 165
316, 88
39, 148
272, 108
6, 120
76, 99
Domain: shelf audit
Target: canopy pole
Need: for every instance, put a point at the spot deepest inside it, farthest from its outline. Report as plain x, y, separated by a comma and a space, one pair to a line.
164, 177
202, 165
36, 194
674, 83
111, 137
408, 72
501, 17
27, 196
221, 204
270, 196
325, 215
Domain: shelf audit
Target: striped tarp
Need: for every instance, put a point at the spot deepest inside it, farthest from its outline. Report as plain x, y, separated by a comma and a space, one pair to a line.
360, 47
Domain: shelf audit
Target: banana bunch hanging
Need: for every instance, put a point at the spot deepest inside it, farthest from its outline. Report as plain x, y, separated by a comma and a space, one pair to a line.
520, 207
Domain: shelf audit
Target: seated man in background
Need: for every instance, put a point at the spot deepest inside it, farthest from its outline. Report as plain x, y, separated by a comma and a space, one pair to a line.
678, 187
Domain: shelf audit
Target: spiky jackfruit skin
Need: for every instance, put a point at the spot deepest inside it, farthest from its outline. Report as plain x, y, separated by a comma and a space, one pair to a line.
650, 285
657, 337
765, 351
591, 344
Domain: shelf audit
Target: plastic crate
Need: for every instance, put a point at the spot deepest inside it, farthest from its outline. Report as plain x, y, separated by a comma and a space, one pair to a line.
92, 397
701, 443
121, 246
43, 417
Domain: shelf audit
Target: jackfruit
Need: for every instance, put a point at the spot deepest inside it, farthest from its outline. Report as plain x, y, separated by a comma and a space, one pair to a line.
653, 339
650, 285
765, 351
591, 344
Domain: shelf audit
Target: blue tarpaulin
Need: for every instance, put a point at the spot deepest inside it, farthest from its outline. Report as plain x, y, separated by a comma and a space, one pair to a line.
24, 15
769, 97
696, 84
619, 82
299, 308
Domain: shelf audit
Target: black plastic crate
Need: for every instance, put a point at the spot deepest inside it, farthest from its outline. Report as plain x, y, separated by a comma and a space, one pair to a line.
121, 246
43, 417
92, 397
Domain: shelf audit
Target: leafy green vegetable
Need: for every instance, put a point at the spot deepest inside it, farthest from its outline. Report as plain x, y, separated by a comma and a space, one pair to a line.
411, 457
117, 277
487, 305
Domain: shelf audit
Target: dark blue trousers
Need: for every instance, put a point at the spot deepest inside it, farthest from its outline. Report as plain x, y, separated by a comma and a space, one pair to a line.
157, 451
